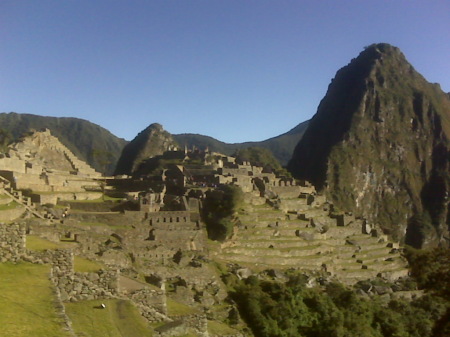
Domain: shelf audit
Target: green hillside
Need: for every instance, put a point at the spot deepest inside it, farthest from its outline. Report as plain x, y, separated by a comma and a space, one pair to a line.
88, 141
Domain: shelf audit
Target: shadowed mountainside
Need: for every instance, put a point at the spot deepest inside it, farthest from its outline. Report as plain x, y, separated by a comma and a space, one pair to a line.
152, 141
379, 145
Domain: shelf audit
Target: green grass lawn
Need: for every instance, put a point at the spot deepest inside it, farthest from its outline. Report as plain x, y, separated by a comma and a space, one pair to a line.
82, 265
39, 244
175, 308
27, 306
10, 205
119, 319
219, 329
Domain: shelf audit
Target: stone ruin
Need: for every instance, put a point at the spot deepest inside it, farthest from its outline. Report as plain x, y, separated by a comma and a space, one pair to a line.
283, 224
39, 162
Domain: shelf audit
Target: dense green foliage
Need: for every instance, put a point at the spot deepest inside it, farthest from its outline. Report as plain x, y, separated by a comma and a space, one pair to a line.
88, 141
5, 138
431, 269
219, 207
275, 309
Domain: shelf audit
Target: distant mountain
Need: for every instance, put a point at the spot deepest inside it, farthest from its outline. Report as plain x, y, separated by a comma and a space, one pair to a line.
154, 140
88, 141
281, 146
102, 150
151, 142
379, 144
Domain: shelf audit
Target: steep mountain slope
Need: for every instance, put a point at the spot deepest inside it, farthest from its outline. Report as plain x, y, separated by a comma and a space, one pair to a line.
281, 146
89, 142
152, 141
379, 144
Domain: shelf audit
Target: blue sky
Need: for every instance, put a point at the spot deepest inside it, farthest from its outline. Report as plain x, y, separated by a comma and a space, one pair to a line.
233, 70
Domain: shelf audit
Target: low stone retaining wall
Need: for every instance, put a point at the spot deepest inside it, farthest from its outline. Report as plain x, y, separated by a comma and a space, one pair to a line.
151, 298
12, 242
183, 324
86, 286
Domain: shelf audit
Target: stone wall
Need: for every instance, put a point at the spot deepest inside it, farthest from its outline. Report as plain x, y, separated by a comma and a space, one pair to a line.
12, 164
233, 171
184, 325
88, 286
168, 217
286, 191
12, 242
53, 198
62, 261
151, 298
74, 286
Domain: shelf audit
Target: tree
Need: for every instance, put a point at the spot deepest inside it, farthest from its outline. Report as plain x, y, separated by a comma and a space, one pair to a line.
5, 139
219, 207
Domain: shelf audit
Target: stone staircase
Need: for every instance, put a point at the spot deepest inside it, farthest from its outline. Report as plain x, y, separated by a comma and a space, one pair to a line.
310, 240
43, 150
18, 197
78, 165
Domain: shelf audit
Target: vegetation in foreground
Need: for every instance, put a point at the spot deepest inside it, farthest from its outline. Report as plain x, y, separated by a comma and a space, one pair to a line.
27, 302
219, 207
275, 309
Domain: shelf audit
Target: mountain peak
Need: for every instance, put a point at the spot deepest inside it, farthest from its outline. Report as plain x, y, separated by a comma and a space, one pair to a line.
379, 144
150, 142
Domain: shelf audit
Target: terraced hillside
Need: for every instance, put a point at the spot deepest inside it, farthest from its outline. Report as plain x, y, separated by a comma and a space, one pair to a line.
311, 238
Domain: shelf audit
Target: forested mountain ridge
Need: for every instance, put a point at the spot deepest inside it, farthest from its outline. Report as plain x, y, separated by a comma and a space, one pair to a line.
88, 141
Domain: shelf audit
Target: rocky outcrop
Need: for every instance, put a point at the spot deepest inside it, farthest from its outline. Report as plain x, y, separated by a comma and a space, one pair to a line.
152, 141
379, 144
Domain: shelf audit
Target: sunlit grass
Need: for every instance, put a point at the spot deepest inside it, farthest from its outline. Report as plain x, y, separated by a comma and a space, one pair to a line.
82, 265
27, 303
119, 319
175, 308
220, 329
39, 244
